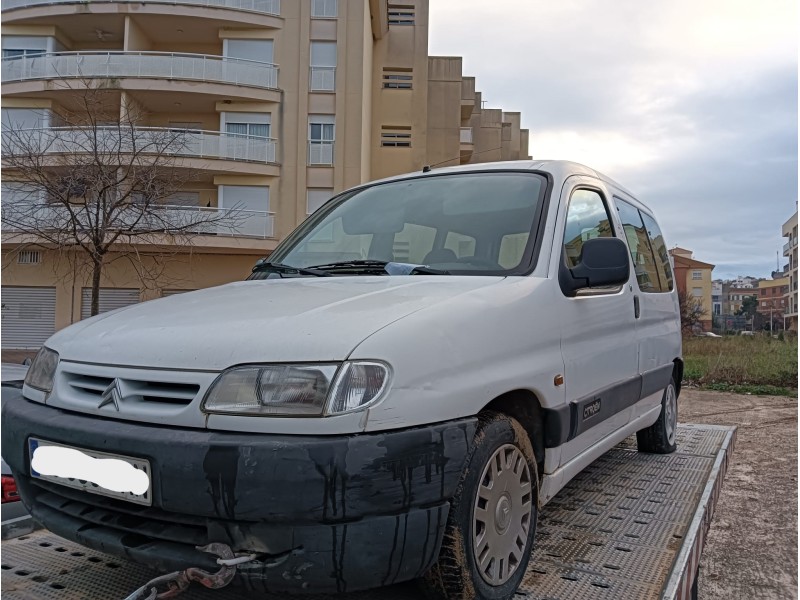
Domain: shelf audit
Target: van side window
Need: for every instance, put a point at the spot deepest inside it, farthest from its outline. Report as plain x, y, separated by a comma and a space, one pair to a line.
660, 251
647, 247
644, 263
587, 218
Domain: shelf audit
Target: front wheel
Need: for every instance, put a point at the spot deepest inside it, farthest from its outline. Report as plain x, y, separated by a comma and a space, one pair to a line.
660, 437
492, 521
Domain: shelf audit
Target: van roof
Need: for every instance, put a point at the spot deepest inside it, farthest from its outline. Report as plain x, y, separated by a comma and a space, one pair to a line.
559, 168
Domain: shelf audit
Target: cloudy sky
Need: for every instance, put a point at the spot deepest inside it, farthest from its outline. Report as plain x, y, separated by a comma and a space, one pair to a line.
691, 105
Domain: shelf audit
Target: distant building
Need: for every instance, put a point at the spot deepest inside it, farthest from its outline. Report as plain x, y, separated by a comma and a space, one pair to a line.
733, 298
693, 277
789, 230
745, 282
716, 297
772, 300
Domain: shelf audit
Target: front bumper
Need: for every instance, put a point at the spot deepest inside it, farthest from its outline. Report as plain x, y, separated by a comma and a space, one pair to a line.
323, 513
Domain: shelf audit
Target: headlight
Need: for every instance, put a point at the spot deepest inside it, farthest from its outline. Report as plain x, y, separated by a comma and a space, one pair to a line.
296, 390
358, 384
42, 370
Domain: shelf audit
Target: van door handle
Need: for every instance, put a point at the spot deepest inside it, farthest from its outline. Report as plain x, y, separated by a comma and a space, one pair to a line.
636, 310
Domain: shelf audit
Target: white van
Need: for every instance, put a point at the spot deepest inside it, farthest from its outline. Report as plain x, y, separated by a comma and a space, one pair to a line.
393, 395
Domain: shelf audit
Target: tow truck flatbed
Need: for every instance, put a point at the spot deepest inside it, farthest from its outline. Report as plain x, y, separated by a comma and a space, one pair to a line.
629, 526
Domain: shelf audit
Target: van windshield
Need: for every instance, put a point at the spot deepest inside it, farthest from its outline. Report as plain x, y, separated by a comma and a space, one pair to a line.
461, 224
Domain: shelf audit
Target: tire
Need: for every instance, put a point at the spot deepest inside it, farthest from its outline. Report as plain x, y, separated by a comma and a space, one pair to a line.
660, 437
501, 452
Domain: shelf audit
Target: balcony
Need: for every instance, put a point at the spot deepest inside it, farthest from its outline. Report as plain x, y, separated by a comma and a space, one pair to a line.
788, 246
322, 79
266, 7
320, 153
146, 65
21, 216
112, 140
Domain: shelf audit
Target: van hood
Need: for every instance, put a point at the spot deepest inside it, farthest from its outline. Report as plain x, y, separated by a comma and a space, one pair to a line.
273, 320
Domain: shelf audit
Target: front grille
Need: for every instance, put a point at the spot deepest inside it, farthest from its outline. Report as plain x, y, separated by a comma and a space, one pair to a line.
91, 387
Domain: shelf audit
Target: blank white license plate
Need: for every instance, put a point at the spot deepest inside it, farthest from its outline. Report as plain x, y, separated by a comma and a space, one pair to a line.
112, 475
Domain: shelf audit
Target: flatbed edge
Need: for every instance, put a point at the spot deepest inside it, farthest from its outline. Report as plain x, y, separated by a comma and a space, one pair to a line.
682, 582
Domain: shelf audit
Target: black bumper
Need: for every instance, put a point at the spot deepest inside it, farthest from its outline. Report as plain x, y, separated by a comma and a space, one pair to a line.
336, 513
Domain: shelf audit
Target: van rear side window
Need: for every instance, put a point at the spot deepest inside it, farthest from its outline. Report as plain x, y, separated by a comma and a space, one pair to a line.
647, 247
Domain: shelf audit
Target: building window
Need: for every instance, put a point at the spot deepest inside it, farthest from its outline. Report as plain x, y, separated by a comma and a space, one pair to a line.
401, 14
396, 137
324, 9
697, 275
29, 257
321, 139
248, 206
697, 292
397, 78
239, 127
315, 198
248, 137
241, 70
323, 67
764, 303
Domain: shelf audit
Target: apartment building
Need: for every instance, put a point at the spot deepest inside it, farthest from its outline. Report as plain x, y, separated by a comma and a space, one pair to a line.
716, 297
772, 301
789, 230
283, 104
733, 297
693, 277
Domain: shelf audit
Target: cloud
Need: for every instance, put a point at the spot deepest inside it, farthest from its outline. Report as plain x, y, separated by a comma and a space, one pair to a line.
692, 106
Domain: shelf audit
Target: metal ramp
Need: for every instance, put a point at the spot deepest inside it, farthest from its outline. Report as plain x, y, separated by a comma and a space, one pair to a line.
629, 526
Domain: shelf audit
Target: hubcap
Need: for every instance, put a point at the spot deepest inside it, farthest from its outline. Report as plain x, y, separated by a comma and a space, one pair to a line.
502, 515
670, 413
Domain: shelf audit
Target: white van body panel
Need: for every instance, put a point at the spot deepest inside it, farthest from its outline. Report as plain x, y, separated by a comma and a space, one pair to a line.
552, 483
279, 320
452, 359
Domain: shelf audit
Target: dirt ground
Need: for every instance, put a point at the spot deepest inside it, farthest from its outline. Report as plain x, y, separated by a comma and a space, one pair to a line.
751, 550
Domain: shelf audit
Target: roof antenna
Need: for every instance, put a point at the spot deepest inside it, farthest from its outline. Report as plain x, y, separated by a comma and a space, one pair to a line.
426, 169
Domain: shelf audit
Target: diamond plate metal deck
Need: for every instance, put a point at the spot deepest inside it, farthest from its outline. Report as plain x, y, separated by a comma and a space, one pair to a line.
614, 532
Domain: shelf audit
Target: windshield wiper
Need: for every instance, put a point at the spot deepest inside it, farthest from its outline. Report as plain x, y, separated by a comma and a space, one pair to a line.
379, 266
281, 268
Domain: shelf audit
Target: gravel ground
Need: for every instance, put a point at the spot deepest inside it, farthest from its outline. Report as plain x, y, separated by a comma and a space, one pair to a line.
751, 550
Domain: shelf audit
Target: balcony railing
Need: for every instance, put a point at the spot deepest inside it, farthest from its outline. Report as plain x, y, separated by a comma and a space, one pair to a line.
789, 245
159, 65
466, 135
111, 140
320, 153
223, 221
322, 79
28, 217
267, 7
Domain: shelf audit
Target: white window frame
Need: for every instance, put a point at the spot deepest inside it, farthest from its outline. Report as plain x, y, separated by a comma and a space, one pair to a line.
322, 72
266, 43
324, 9
321, 149
322, 196
697, 275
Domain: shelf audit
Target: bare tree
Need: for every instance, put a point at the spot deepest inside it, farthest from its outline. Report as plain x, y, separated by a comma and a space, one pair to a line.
692, 311
98, 184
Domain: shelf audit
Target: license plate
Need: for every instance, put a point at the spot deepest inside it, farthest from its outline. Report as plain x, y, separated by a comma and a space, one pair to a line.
112, 475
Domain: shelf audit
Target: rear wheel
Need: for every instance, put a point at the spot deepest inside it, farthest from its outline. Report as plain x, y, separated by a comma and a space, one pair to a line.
660, 437
492, 521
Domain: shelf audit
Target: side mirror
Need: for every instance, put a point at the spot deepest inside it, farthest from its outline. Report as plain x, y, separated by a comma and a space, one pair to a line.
603, 262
